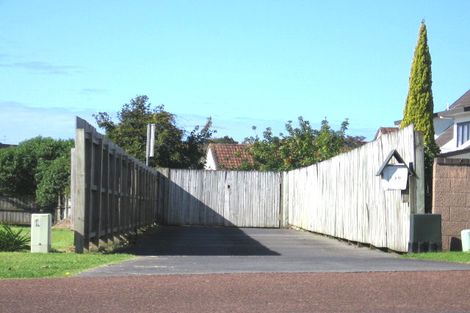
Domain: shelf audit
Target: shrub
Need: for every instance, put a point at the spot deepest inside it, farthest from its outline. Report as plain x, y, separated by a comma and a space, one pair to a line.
11, 240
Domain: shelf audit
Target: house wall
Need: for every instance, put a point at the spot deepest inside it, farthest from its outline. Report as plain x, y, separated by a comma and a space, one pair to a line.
210, 162
460, 119
451, 199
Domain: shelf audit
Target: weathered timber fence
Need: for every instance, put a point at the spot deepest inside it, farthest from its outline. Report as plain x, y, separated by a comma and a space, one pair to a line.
16, 210
344, 198
112, 192
15, 217
221, 198
23, 203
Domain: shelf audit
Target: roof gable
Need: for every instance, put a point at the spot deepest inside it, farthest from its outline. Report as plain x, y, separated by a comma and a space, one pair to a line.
230, 156
463, 101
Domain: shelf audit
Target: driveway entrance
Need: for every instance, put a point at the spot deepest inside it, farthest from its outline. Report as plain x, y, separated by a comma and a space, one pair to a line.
197, 250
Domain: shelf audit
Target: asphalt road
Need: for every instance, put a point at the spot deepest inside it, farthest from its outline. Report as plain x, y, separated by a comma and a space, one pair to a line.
200, 250
443, 291
248, 270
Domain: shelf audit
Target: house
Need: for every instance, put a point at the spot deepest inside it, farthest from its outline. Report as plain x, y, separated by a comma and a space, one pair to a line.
452, 126
227, 156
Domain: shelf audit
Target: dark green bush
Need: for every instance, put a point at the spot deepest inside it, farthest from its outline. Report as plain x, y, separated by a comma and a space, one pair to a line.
11, 240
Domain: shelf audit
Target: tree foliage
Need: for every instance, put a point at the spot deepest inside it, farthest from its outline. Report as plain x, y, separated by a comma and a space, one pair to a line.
301, 146
174, 147
39, 167
224, 139
419, 105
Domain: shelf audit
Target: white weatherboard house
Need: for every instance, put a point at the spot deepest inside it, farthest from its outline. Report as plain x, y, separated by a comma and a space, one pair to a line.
452, 128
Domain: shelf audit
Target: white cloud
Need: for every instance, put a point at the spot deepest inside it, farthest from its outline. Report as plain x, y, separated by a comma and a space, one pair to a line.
19, 122
43, 67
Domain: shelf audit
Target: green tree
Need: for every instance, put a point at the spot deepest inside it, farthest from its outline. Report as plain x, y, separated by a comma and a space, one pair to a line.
37, 167
301, 146
53, 181
419, 105
224, 139
174, 147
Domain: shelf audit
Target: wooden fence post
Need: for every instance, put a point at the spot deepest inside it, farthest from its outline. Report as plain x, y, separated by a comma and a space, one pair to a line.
78, 191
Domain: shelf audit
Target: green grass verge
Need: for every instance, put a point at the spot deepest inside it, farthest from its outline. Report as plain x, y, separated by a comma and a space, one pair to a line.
457, 257
62, 238
60, 263
36, 265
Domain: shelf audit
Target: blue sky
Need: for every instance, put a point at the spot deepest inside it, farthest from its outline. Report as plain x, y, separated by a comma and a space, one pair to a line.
242, 62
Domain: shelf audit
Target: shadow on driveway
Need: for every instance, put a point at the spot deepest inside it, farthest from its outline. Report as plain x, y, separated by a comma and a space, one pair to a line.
179, 241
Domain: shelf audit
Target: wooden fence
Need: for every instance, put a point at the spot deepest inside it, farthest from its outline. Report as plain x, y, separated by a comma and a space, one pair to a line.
15, 217
344, 198
221, 198
17, 210
23, 203
112, 192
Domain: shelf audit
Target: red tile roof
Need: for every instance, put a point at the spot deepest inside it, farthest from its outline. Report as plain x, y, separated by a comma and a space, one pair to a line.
230, 156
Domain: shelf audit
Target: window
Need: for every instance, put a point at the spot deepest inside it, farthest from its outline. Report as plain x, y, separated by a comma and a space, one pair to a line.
463, 133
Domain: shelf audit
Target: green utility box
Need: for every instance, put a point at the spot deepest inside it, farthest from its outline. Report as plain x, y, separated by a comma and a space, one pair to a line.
425, 233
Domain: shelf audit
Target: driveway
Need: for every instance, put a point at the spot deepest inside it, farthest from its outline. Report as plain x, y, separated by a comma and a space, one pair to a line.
206, 250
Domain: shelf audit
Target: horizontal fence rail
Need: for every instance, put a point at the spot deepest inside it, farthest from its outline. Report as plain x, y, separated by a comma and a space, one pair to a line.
112, 192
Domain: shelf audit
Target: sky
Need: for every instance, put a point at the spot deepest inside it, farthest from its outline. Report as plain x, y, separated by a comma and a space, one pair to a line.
243, 63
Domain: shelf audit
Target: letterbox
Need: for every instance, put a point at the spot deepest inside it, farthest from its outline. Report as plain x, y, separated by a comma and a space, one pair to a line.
394, 176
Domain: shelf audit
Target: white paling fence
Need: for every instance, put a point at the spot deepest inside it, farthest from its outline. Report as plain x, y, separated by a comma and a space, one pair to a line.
222, 198
113, 194
344, 198
341, 197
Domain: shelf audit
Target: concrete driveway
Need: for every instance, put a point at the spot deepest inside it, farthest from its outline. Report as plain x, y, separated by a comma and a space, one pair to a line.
203, 250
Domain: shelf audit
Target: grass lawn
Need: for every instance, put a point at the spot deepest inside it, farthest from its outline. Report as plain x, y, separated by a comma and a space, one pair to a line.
62, 238
61, 262
35, 265
458, 257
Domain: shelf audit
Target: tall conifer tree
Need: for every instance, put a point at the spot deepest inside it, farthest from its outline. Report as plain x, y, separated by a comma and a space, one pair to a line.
419, 107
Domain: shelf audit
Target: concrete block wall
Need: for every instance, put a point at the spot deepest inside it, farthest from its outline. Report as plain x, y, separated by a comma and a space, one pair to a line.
451, 199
